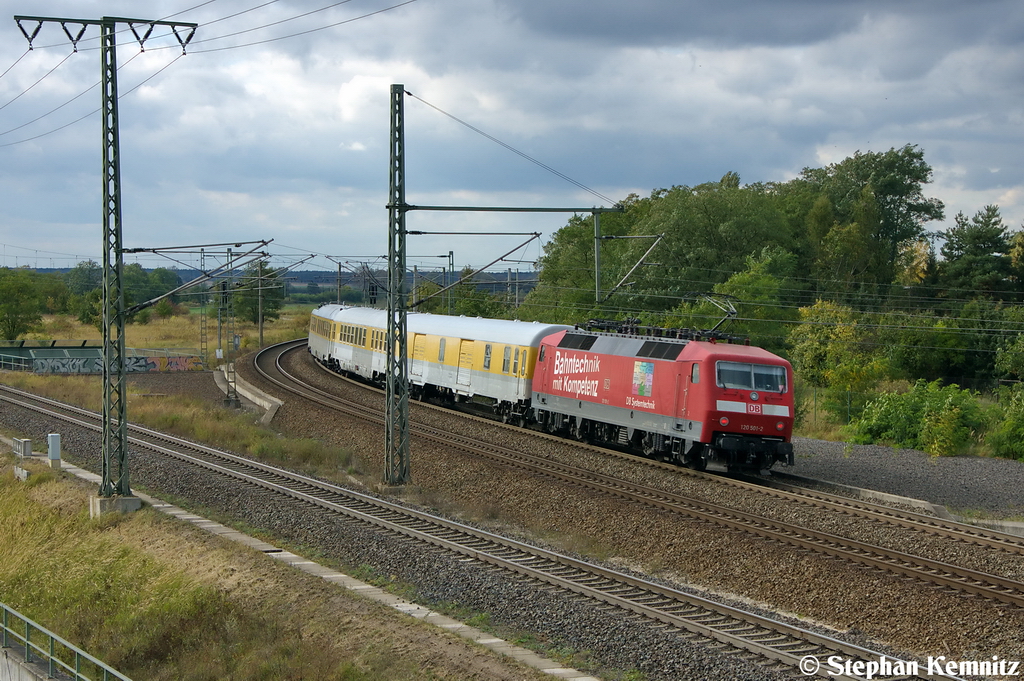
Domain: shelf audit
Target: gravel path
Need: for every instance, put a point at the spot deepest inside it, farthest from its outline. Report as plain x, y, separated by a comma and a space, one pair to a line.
960, 483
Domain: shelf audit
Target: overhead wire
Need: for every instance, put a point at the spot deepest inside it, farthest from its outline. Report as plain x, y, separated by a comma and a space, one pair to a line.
91, 113
259, 28
15, 63
322, 28
306, 32
26, 90
515, 151
364, 16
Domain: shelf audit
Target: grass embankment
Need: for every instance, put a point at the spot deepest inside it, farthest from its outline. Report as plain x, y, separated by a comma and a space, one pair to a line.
160, 600
181, 331
198, 420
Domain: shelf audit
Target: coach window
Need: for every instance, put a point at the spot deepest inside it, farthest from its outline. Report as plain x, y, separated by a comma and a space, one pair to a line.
440, 351
695, 374
515, 363
487, 356
506, 360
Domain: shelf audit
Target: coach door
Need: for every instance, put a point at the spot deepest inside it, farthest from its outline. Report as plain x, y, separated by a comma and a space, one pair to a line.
465, 362
419, 354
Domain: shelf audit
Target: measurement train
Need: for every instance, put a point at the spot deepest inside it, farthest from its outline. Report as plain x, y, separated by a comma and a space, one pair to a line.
691, 399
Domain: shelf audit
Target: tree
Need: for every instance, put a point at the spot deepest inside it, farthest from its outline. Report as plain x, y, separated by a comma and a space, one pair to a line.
709, 231
259, 282
88, 308
896, 179
565, 290
162, 280
976, 255
832, 351
19, 303
470, 300
757, 290
135, 284
84, 277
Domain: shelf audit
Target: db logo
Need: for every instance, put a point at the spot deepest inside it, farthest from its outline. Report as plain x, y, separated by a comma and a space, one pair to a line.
753, 408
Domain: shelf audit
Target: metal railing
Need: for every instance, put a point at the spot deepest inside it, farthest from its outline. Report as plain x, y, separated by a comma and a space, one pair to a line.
40, 645
12, 363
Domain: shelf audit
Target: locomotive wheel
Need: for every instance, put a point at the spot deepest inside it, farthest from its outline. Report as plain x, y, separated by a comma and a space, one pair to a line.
696, 459
648, 445
579, 429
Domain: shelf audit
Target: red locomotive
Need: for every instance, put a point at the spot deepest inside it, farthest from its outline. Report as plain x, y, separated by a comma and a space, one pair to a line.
688, 400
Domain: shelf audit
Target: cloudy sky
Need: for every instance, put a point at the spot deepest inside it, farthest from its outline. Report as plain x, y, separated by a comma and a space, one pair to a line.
275, 124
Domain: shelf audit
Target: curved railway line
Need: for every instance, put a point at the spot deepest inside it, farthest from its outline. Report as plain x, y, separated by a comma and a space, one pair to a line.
880, 513
777, 643
992, 587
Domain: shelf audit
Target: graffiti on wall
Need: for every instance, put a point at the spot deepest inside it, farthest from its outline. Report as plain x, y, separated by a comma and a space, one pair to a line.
132, 365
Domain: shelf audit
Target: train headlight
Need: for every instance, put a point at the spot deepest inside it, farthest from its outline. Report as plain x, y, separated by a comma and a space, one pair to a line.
780, 426
724, 420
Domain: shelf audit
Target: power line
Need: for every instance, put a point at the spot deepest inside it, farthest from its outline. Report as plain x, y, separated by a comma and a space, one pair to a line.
258, 28
94, 111
300, 33
407, 2
15, 63
17, 97
515, 151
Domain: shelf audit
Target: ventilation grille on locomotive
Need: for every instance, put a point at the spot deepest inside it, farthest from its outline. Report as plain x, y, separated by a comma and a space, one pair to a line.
660, 350
577, 341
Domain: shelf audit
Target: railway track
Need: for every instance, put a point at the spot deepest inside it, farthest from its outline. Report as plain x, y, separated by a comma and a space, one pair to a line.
777, 643
792, 493
992, 588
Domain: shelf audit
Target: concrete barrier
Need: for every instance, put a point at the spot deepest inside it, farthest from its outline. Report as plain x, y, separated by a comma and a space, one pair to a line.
14, 668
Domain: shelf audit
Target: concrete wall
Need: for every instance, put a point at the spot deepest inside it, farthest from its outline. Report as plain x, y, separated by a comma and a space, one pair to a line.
13, 667
94, 365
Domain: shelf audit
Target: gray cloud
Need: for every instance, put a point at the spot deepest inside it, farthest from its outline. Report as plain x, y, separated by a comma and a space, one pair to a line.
288, 139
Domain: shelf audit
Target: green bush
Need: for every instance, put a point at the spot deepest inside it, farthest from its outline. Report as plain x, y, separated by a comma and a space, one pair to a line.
1006, 437
940, 420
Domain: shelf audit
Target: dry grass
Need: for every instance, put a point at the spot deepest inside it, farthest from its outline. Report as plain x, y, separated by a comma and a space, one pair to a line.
818, 424
198, 420
81, 391
181, 331
170, 602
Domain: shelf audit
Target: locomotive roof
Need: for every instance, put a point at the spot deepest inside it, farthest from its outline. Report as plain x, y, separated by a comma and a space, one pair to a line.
733, 352
477, 328
653, 347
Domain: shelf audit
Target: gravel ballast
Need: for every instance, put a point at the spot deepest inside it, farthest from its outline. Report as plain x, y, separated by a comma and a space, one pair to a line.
868, 606
960, 483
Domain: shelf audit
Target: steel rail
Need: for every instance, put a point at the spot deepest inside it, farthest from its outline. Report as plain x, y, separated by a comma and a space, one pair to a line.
984, 585
866, 510
768, 638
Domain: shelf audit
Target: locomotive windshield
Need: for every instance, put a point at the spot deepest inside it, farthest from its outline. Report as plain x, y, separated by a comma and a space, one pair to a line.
742, 376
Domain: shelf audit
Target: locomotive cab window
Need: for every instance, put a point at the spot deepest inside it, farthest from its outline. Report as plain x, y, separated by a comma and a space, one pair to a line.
695, 373
743, 376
